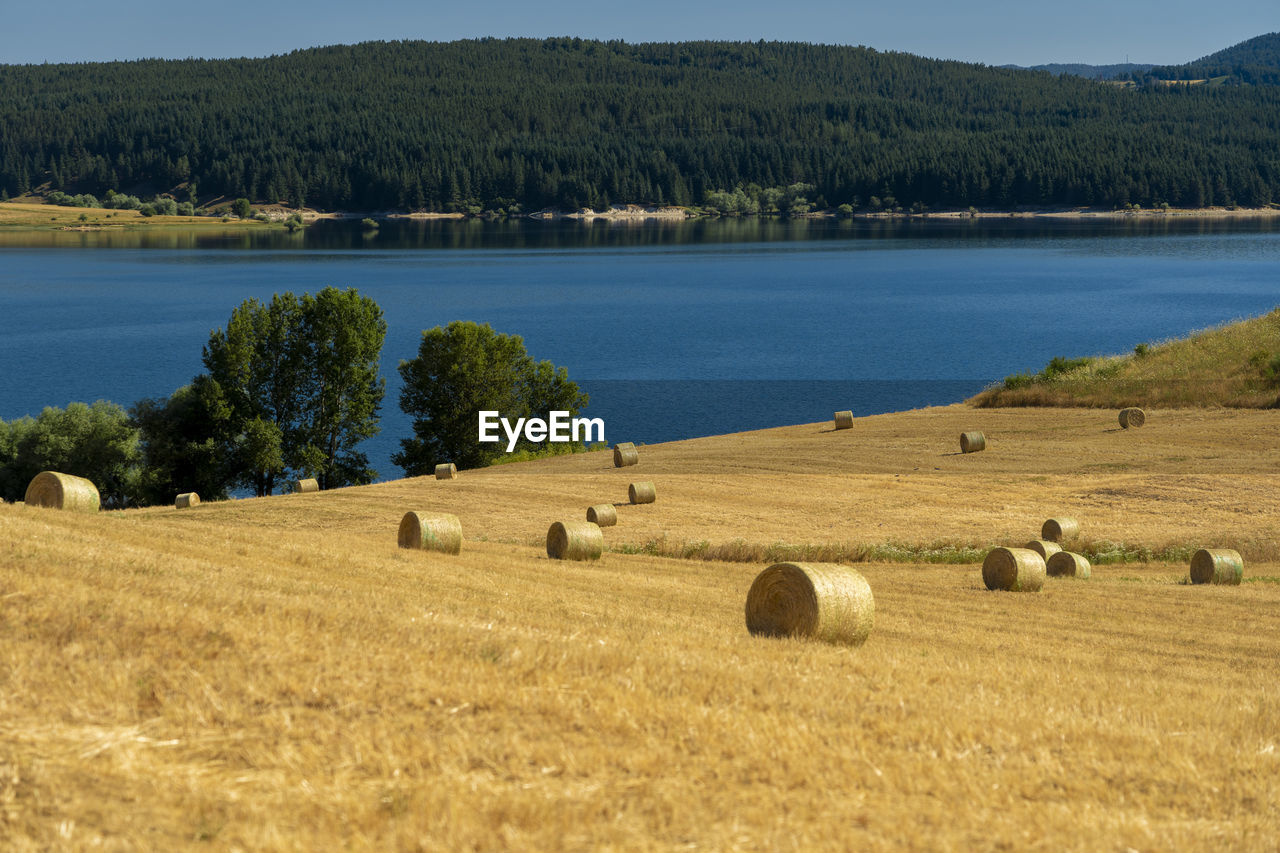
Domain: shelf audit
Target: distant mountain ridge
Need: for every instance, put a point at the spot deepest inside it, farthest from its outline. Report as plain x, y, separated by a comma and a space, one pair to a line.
1255, 61
1091, 72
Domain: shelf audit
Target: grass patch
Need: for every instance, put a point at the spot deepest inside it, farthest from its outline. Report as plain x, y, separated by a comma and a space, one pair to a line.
565, 449
1236, 365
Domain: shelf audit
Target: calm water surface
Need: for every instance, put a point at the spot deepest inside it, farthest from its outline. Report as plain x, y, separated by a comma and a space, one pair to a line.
676, 331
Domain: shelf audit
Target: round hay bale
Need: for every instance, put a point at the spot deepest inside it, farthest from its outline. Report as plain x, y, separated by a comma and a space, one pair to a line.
602, 515
1058, 529
972, 442
63, 491
1217, 566
1132, 417
1067, 564
625, 455
844, 420
431, 532
186, 500
821, 601
1044, 548
446, 471
641, 493
575, 540
311, 484
1013, 569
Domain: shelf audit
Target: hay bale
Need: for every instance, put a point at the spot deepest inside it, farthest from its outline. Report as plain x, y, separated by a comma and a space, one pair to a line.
1067, 564
1132, 417
431, 532
1013, 569
972, 442
821, 601
186, 500
1058, 529
603, 515
625, 454
1217, 566
446, 471
844, 420
575, 540
641, 493
1044, 548
62, 491
310, 484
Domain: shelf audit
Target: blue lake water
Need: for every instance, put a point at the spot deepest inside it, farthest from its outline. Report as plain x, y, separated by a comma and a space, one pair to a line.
675, 331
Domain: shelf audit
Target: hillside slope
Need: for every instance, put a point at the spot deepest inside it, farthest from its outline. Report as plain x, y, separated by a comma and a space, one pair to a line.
520, 124
276, 674
1236, 365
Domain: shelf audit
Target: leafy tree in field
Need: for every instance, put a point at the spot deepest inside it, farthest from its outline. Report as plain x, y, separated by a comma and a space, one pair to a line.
241, 208
93, 441
299, 378
181, 451
461, 370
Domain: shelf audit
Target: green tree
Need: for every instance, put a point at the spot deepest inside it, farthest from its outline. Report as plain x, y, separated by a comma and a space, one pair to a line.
181, 450
461, 370
242, 208
93, 441
300, 381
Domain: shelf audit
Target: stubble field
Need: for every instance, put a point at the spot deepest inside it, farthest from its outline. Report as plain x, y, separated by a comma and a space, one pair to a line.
277, 674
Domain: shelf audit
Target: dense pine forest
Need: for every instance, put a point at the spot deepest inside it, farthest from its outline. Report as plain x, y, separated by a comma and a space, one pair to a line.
525, 124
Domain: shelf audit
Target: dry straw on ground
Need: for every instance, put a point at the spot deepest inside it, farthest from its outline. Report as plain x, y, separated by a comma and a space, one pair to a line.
820, 601
1013, 569
1217, 566
844, 420
62, 491
1044, 548
604, 515
1132, 417
186, 500
439, 531
642, 493
575, 540
972, 442
625, 454
1060, 529
1067, 564
311, 484
446, 471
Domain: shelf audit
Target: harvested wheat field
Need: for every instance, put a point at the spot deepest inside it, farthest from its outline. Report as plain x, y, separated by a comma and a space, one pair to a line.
276, 674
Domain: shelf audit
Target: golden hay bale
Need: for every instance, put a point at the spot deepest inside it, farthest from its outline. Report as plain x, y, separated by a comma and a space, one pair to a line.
1217, 566
1067, 564
642, 493
1132, 417
1044, 548
446, 471
309, 485
1058, 529
844, 420
431, 532
63, 491
575, 540
972, 442
821, 601
186, 500
604, 515
625, 454
1013, 569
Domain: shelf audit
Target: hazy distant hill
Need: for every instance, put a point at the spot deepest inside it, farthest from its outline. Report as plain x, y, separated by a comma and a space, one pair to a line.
523, 123
1252, 62
1091, 72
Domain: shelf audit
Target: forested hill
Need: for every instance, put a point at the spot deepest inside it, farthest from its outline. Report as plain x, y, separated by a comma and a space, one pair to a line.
1252, 62
570, 123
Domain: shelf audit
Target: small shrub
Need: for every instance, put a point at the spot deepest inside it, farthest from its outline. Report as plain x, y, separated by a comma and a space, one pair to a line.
1019, 380
1059, 366
1141, 350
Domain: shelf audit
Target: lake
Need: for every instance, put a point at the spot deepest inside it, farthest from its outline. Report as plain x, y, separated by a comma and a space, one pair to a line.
675, 330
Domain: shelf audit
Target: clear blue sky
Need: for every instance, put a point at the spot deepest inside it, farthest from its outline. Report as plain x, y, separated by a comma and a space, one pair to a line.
1025, 32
